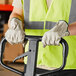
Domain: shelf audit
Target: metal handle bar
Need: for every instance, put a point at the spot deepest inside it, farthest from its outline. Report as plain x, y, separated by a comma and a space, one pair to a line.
3, 42
39, 38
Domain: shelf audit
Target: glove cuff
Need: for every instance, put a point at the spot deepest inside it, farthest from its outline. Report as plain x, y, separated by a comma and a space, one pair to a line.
66, 25
14, 22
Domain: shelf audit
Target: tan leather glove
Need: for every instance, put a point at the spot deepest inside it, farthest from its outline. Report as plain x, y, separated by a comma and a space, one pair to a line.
53, 36
15, 33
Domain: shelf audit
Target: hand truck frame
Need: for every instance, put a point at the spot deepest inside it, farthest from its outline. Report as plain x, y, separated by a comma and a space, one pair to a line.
30, 69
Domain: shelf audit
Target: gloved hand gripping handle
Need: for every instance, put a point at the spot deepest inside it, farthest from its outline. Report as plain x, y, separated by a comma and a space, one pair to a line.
37, 38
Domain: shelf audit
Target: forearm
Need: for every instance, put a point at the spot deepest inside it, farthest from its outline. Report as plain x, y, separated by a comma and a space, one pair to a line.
16, 13
72, 28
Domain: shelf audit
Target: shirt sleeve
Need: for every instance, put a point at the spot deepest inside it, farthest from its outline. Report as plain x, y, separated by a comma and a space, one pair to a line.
17, 4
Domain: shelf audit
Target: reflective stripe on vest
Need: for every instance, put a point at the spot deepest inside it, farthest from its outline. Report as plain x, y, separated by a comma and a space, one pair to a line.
72, 17
34, 24
49, 24
39, 25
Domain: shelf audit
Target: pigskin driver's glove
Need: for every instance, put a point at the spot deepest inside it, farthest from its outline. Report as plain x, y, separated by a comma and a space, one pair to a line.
15, 33
53, 36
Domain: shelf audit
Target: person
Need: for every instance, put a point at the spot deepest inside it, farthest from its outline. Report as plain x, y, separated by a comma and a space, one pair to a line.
52, 19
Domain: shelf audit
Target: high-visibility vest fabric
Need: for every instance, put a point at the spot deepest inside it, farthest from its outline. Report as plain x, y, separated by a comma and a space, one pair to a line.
39, 19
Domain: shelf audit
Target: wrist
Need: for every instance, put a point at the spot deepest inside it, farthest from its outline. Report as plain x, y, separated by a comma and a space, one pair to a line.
67, 27
68, 32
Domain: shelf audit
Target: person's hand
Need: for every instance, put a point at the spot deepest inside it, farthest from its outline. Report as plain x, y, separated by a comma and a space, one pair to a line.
15, 33
53, 36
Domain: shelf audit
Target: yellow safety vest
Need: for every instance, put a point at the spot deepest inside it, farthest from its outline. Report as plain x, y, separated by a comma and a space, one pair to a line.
39, 19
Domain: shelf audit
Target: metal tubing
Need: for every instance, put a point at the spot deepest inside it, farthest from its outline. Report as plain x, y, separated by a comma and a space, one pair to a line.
3, 42
32, 57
